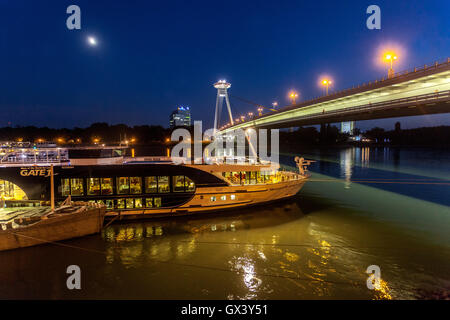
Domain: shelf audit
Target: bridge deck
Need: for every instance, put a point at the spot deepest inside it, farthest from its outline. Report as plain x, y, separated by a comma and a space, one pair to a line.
424, 91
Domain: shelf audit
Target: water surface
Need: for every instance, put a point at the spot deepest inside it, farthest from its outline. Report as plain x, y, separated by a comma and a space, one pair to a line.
362, 207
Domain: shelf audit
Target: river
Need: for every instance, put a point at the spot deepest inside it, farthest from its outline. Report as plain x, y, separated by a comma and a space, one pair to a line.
388, 207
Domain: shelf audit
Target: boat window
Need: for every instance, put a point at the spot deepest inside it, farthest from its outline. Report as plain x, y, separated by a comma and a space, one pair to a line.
189, 185
259, 177
266, 176
232, 197
130, 203
247, 177
107, 185
157, 202
123, 186
253, 177
150, 185
65, 187
138, 203
93, 186
109, 204
236, 177
223, 198
163, 184
120, 204
76, 187
135, 185
213, 198
227, 175
178, 183
149, 202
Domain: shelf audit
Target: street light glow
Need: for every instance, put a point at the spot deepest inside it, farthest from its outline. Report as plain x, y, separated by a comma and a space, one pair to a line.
389, 57
326, 82
293, 96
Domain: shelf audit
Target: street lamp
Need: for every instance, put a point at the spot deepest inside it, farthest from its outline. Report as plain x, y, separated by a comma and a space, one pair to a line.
293, 96
274, 104
260, 110
326, 83
389, 57
250, 115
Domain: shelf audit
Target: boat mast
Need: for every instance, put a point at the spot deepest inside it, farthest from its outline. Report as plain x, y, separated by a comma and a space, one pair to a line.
52, 187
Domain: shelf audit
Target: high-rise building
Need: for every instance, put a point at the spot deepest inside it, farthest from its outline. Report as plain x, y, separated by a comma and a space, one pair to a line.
180, 117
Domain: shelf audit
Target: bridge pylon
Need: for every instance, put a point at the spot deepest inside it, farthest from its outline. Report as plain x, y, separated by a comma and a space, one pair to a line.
222, 86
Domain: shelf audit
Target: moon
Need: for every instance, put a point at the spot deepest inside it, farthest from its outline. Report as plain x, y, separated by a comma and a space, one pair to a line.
92, 41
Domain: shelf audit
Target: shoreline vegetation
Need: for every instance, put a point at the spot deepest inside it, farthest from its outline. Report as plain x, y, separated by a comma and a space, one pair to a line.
326, 135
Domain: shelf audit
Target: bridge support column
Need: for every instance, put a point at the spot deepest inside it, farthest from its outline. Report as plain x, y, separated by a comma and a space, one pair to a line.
347, 127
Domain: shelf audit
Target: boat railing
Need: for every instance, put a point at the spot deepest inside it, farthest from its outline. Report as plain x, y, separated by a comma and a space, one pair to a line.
33, 156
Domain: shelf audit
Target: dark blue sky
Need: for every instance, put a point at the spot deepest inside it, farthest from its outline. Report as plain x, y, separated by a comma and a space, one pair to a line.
155, 55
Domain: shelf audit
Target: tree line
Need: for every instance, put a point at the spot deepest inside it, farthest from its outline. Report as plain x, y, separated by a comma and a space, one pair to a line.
96, 133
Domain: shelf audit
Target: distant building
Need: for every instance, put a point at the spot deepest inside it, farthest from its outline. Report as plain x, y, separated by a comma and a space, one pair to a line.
180, 117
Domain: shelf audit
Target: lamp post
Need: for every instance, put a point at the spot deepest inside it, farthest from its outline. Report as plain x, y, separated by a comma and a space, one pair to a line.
293, 96
390, 57
260, 111
326, 83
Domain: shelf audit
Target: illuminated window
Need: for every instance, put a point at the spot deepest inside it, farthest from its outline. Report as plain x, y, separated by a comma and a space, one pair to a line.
93, 186
11, 191
253, 177
236, 177
65, 187
135, 185
213, 198
138, 203
123, 185
120, 204
157, 202
178, 183
76, 187
247, 177
149, 202
151, 185
130, 203
223, 198
189, 185
101, 202
163, 184
107, 185
109, 204
259, 177
232, 197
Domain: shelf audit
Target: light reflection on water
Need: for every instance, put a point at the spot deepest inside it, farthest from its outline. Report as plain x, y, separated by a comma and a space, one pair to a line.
315, 246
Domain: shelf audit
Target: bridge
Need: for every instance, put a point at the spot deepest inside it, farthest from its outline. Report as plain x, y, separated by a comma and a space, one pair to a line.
420, 91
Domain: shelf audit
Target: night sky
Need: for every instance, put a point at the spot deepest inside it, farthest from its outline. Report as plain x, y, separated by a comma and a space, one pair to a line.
153, 56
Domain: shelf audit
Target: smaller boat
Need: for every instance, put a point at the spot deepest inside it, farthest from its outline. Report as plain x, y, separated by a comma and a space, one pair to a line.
71, 220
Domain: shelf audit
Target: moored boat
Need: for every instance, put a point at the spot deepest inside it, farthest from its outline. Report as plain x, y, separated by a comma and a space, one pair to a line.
69, 221
146, 187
